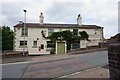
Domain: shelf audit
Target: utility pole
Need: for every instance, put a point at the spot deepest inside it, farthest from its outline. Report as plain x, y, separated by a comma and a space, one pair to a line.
101, 38
24, 31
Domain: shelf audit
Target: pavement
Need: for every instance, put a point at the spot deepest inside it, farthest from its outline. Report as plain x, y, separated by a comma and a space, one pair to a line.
52, 66
15, 60
45, 57
99, 72
56, 66
37, 58
86, 51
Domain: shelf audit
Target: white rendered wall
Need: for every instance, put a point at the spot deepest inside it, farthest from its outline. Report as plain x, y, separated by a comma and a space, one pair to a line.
34, 33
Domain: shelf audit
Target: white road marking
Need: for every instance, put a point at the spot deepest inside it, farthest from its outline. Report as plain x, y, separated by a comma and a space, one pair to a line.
16, 63
79, 72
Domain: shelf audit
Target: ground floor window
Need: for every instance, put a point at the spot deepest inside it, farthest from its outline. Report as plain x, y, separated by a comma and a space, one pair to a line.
50, 44
76, 44
34, 43
42, 46
22, 43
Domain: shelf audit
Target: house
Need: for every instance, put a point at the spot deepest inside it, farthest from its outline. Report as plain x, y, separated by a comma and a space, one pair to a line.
35, 43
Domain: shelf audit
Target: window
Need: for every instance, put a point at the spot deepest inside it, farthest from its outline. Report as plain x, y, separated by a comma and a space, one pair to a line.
42, 46
22, 43
95, 32
50, 31
76, 44
26, 32
50, 44
35, 43
75, 31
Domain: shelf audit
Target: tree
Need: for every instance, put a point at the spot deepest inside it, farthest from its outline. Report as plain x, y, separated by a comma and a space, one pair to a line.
84, 35
7, 38
0, 39
67, 36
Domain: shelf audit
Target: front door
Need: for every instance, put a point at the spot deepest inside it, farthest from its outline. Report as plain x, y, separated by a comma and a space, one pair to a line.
60, 47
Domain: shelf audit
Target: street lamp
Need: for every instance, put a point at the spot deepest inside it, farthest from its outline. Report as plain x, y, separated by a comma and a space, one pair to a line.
24, 32
101, 38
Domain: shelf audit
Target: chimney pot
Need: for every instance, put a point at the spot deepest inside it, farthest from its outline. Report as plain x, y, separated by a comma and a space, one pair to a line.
20, 22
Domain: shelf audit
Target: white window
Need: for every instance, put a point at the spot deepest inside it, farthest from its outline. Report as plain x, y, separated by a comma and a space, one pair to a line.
75, 31
22, 43
26, 32
50, 44
50, 31
34, 43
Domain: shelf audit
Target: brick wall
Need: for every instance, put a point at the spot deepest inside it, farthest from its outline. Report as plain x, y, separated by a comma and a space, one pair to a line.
114, 57
114, 61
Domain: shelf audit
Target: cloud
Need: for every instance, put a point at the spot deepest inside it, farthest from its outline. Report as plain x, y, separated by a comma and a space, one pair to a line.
119, 17
104, 14
99, 12
11, 13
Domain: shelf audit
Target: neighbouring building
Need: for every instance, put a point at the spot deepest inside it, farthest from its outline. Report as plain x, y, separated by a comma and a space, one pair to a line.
35, 43
114, 57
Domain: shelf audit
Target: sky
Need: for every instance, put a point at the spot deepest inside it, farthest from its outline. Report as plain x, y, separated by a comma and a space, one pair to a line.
103, 13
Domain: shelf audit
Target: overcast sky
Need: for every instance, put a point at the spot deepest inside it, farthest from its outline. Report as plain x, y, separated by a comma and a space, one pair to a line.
94, 12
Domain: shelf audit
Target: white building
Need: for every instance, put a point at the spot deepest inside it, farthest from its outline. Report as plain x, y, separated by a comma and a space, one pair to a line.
35, 43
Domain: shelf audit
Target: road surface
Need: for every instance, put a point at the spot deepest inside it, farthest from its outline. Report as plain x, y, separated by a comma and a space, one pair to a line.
55, 68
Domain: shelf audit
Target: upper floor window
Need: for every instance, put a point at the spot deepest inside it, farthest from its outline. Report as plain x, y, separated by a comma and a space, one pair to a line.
75, 31
26, 32
50, 31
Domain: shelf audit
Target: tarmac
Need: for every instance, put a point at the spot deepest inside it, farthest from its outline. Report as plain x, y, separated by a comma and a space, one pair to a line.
101, 72
45, 57
92, 73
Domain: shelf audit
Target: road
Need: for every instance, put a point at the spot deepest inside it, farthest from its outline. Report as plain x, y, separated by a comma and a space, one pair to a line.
14, 70
55, 68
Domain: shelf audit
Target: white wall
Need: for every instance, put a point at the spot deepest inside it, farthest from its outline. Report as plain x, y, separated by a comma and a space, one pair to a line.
34, 33
95, 38
83, 44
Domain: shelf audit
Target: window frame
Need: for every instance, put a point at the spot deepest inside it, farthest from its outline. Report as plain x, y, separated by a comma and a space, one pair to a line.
50, 31
34, 46
21, 43
26, 32
75, 32
42, 46
50, 44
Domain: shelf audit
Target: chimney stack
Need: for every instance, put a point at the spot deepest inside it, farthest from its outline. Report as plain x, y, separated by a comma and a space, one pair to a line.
79, 20
41, 17
20, 22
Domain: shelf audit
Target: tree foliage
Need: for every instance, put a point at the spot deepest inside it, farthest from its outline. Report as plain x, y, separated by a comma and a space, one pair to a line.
7, 38
84, 35
67, 36
43, 34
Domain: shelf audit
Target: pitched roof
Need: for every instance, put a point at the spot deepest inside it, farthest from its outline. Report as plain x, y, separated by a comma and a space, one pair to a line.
48, 25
